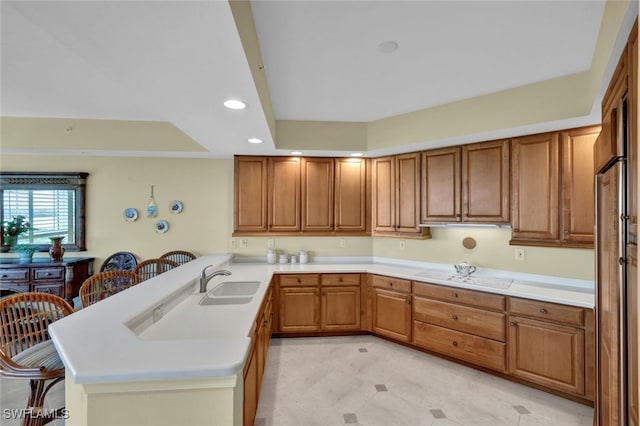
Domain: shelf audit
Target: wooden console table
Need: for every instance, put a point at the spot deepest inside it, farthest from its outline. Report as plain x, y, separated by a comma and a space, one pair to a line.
62, 278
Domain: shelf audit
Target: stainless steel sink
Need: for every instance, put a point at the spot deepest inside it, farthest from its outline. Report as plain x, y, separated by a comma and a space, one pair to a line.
240, 300
235, 288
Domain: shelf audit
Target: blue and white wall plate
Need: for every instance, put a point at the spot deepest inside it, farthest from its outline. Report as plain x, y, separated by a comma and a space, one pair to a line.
130, 214
161, 226
175, 207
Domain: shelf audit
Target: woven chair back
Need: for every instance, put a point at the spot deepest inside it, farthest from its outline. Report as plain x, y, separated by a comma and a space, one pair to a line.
179, 256
152, 267
25, 317
106, 284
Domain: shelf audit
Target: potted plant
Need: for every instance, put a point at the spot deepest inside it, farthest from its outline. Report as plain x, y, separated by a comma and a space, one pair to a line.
12, 229
25, 251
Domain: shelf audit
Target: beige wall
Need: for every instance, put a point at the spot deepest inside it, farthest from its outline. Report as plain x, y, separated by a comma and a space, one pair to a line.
205, 187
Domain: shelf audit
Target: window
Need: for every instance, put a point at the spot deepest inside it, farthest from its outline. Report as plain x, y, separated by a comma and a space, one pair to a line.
53, 203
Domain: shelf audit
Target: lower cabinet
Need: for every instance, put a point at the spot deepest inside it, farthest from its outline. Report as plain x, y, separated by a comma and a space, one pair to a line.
256, 361
552, 345
462, 324
391, 304
312, 302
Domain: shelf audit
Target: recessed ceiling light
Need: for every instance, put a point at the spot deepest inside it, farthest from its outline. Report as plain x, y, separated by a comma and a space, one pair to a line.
235, 104
356, 154
255, 140
296, 152
388, 46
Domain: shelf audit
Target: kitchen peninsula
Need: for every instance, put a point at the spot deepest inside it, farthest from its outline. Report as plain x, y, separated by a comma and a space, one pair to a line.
154, 355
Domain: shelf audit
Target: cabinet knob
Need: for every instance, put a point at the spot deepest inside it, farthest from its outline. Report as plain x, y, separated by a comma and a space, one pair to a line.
265, 323
5, 276
516, 230
48, 274
455, 295
512, 324
454, 316
566, 231
298, 279
455, 343
390, 284
408, 300
340, 279
543, 311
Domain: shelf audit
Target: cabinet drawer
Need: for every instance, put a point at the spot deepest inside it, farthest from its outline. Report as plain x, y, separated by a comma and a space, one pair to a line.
14, 274
48, 273
462, 318
14, 288
391, 283
458, 295
55, 289
297, 280
340, 279
545, 310
473, 349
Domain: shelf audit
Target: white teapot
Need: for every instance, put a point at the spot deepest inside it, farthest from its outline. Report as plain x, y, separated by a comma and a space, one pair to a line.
464, 269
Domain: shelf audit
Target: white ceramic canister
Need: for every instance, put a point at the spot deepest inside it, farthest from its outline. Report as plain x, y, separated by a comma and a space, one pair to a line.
303, 255
294, 259
284, 258
271, 256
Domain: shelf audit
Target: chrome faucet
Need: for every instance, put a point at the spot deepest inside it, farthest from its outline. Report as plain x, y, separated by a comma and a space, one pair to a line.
204, 278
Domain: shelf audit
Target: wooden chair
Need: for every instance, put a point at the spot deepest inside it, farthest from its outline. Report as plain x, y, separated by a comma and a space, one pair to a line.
179, 256
152, 267
120, 261
105, 284
26, 351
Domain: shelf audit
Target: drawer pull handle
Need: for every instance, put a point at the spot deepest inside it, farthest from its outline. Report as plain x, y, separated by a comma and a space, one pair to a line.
298, 279
455, 317
408, 300
48, 274
455, 295
512, 324
5, 276
340, 279
455, 343
543, 311
390, 284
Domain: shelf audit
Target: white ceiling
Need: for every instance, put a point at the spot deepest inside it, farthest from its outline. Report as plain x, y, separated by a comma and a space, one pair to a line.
176, 61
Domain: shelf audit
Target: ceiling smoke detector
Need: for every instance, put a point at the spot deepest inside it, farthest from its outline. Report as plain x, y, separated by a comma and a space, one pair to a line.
387, 47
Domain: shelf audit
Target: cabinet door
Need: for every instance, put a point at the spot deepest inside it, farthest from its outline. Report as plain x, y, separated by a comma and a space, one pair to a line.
384, 194
441, 185
250, 174
299, 309
408, 193
535, 185
392, 314
317, 194
250, 403
578, 216
485, 182
284, 192
633, 297
547, 353
350, 194
632, 145
340, 308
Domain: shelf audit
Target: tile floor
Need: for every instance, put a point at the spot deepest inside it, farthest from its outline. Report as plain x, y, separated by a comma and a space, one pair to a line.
364, 380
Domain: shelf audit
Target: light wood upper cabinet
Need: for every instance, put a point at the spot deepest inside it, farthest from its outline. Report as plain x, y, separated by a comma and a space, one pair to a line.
535, 186
250, 184
297, 196
552, 188
317, 194
284, 194
396, 196
577, 196
351, 206
466, 184
441, 185
485, 182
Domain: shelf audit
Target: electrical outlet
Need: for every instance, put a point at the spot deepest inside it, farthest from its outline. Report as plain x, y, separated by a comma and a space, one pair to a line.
403, 244
232, 243
243, 243
519, 254
271, 243
343, 243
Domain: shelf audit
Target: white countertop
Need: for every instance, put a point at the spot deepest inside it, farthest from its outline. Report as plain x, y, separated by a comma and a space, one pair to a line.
116, 340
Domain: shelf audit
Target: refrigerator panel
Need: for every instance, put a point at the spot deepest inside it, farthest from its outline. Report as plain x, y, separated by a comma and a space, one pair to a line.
610, 285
